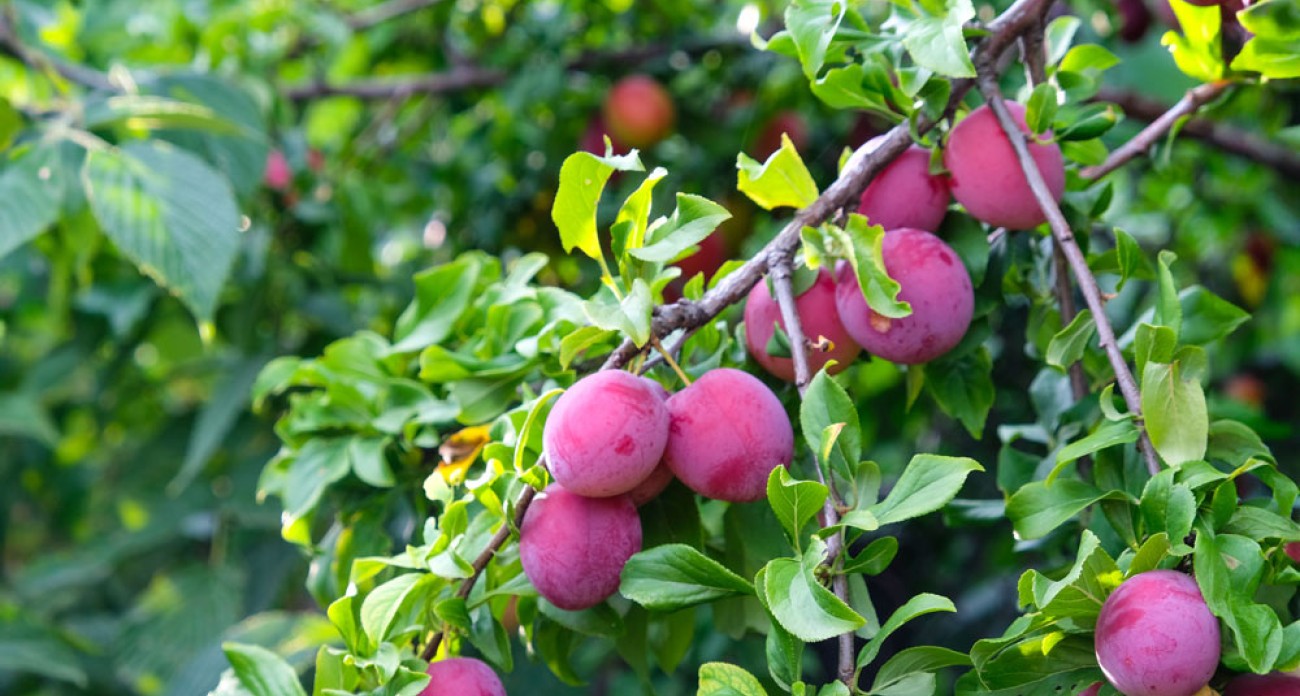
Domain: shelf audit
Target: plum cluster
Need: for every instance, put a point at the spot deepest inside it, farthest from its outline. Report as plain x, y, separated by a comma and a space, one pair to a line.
615, 441
462, 676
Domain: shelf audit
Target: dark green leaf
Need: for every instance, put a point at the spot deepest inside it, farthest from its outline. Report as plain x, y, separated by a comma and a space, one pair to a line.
261, 671
675, 576
1037, 508
927, 484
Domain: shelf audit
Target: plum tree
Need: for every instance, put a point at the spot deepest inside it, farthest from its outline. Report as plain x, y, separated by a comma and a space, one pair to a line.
905, 194
728, 431
462, 676
816, 307
1273, 684
639, 111
573, 547
986, 177
933, 279
1155, 636
606, 434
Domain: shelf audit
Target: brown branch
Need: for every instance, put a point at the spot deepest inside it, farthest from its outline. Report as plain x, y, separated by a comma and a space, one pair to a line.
1078, 263
12, 44
1142, 142
1285, 160
481, 562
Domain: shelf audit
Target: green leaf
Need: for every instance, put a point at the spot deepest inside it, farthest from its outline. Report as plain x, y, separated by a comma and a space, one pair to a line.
1274, 49
1258, 523
1079, 594
812, 24
1132, 262
781, 181
31, 185
798, 601
171, 213
1059, 35
11, 123
919, 659
631, 316
1168, 507
1227, 570
1168, 310
845, 88
30, 649
1037, 508
579, 340
1197, 51
582, 180
262, 672
936, 41
1108, 434
1175, 413
441, 296
875, 558
1068, 345
216, 418
1089, 58
963, 387
927, 484
924, 603
794, 502
675, 576
694, 219
634, 217
1041, 108
863, 244
1207, 317
826, 403
381, 607
149, 112
722, 679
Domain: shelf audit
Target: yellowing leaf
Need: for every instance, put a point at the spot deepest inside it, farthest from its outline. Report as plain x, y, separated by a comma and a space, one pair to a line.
460, 451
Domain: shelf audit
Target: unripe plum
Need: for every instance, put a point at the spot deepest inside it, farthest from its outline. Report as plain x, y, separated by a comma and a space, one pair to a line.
933, 279
605, 434
727, 432
905, 194
462, 676
639, 111
816, 308
1155, 636
573, 548
1091, 690
1275, 684
986, 177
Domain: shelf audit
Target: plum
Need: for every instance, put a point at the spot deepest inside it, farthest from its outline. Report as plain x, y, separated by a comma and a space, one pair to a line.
1292, 550
639, 111
816, 308
1155, 636
606, 434
1135, 18
462, 676
278, 175
933, 279
652, 486
1091, 690
905, 194
1275, 684
986, 177
573, 548
727, 432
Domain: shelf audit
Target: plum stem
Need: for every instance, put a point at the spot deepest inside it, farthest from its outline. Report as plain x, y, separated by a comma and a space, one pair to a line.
668, 358
1074, 255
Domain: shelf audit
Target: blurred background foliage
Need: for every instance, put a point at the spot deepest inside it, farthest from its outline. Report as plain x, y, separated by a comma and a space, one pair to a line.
131, 540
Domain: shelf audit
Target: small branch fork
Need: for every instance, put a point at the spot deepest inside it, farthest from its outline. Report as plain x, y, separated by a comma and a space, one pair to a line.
1142, 142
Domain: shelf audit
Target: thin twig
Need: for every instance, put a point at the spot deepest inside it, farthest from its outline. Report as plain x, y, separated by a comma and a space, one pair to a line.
481, 562
780, 274
1078, 263
1142, 142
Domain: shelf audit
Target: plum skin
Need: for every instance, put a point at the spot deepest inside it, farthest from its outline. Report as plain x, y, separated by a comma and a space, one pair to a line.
1091, 690
658, 480
573, 548
933, 279
1273, 684
639, 111
605, 434
728, 431
817, 315
462, 676
1155, 636
905, 194
986, 177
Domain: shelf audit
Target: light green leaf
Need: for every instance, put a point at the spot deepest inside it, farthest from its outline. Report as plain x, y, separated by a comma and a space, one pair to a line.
936, 42
149, 112
380, 608
1068, 345
171, 213
781, 181
794, 502
1108, 434
631, 316
920, 605
798, 601
31, 186
1197, 51
927, 484
722, 679
1175, 413
442, 294
812, 24
579, 340
919, 659
863, 245
695, 218
262, 672
1036, 509
582, 180
674, 576
826, 403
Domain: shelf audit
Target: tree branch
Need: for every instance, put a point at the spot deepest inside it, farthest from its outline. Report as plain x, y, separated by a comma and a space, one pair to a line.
1069, 246
1227, 138
1188, 105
